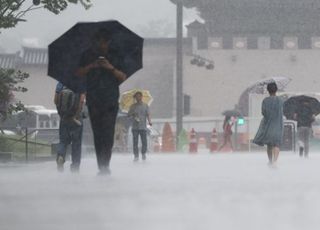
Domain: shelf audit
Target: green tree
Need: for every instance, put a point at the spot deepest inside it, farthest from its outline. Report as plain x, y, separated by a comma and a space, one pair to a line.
9, 83
11, 13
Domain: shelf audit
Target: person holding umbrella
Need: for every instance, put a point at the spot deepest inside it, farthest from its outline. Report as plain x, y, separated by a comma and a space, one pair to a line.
227, 132
103, 77
231, 117
139, 112
96, 57
303, 109
270, 131
304, 117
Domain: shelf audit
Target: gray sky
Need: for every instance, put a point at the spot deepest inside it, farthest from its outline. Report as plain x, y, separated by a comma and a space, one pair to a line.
42, 27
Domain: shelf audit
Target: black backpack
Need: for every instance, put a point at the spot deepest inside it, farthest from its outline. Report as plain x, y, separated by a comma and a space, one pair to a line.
68, 103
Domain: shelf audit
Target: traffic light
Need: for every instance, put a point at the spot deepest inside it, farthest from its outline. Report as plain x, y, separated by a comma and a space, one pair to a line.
186, 104
240, 121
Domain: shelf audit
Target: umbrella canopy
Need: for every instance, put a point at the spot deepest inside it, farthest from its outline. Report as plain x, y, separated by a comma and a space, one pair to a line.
65, 52
260, 87
298, 103
127, 98
232, 113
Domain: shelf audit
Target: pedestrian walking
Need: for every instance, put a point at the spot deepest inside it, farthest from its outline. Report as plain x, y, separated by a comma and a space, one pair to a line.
270, 131
69, 106
103, 76
139, 114
304, 118
227, 132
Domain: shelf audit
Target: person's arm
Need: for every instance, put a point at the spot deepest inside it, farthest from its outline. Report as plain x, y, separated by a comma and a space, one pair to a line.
81, 103
82, 100
148, 116
86, 63
116, 72
149, 119
56, 97
264, 109
83, 70
58, 89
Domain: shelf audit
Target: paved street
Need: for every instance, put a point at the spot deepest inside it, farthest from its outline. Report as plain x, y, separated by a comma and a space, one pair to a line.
168, 191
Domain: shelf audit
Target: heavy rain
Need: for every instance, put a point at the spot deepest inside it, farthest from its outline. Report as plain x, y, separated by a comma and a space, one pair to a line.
171, 114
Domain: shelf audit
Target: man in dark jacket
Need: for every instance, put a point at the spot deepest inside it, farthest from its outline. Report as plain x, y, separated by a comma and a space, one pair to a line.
103, 76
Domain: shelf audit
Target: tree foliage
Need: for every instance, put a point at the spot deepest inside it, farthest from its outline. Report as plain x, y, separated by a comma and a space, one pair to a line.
13, 11
9, 83
190, 3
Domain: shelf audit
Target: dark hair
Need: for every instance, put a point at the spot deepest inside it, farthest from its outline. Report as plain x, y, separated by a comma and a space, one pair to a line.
272, 87
102, 34
137, 93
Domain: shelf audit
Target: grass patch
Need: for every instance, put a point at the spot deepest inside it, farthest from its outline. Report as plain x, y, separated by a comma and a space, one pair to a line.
17, 145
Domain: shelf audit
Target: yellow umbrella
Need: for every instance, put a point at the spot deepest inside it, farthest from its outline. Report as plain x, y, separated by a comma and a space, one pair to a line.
127, 99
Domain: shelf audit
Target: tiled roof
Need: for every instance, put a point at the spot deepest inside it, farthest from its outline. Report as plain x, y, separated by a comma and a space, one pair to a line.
9, 60
195, 24
39, 56
34, 56
30, 56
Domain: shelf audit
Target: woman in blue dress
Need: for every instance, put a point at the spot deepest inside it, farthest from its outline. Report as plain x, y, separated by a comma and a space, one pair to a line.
270, 131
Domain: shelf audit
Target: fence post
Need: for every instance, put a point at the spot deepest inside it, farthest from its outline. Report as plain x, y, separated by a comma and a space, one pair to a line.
27, 144
235, 137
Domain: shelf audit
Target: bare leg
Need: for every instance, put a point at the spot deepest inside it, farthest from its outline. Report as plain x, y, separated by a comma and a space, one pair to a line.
223, 144
230, 142
275, 153
269, 151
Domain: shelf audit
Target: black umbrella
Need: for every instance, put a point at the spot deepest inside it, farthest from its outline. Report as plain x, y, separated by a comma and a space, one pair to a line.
65, 52
297, 103
232, 113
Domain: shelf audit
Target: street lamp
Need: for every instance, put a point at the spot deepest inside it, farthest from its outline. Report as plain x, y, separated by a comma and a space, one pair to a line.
202, 62
179, 70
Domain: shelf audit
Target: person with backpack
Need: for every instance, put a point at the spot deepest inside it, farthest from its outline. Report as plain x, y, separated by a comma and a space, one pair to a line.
69, 106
